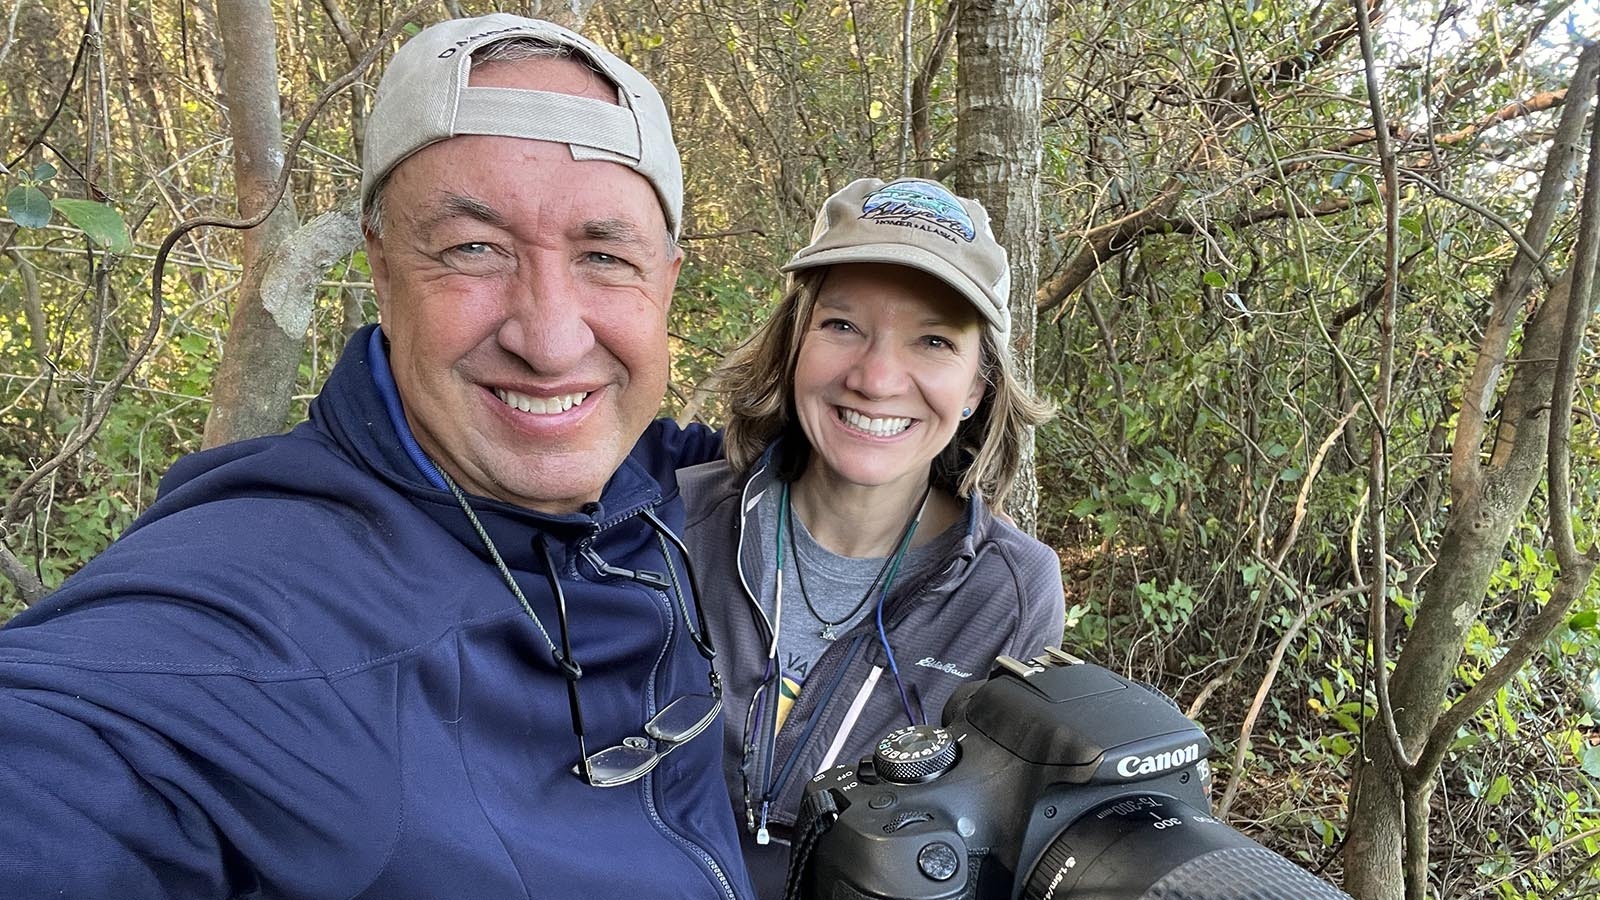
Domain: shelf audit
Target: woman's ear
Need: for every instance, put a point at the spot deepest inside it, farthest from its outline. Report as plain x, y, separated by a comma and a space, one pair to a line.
974, 396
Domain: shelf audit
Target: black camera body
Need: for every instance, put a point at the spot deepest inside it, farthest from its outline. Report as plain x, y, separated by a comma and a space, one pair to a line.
1053, 779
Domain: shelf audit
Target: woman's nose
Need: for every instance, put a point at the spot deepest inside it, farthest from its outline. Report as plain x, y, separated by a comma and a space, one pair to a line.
878, 371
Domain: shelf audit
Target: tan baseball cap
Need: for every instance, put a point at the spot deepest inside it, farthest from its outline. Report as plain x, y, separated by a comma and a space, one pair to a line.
424, 98
918, 223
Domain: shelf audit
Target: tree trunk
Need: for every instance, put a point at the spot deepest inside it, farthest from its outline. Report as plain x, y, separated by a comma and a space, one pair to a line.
250, 396
1000, 53
1388, 818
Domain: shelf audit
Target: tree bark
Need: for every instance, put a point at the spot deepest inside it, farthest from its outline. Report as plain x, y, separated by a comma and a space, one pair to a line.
999, 148
1488, 499
250, 396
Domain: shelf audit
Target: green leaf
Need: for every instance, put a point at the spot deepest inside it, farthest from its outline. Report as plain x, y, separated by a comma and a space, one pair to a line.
1591, 763
28, 206
100, 222
1502, 705
43, 172
1214, 279
1584, 621
1498, 790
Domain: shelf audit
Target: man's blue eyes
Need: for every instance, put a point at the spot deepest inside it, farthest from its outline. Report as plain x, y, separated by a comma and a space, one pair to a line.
481, 248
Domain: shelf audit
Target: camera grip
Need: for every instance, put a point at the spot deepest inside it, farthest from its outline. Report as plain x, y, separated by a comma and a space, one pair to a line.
919, 861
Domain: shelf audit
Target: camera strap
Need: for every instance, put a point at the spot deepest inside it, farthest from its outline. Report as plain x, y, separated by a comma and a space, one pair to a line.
818, 811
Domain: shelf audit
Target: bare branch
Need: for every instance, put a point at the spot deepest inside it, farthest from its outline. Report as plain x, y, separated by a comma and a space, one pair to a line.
11, 32
1378, 466
1475, 72
39, 334
1105, 241
1274, 566
921, 130
905, 85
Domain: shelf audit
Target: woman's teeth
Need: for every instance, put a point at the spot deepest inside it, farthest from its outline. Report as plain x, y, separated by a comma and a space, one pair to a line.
884, 427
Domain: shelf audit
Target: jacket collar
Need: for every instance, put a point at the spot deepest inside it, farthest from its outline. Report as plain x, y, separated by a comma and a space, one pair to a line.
360, 410
979, 521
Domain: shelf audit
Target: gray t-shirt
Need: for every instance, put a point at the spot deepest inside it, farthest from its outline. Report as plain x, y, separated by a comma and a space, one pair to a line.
834, 585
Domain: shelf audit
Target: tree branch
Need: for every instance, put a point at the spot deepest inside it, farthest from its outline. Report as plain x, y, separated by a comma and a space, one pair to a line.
28, 584
1576, 569
1511, 291
921, 129
1275, 567
1105, 241
99, 406
1378, 464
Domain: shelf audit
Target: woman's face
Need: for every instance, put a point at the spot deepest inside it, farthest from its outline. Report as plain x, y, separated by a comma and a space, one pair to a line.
889, 359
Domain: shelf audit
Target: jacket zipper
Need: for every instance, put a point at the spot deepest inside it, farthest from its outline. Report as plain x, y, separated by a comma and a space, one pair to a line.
649, 784
775, 790
738, 550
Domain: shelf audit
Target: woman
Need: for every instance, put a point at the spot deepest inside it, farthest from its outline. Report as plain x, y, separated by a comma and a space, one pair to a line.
854, 568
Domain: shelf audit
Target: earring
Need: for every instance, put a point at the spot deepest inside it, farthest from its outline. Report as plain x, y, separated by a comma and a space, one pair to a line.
966, 412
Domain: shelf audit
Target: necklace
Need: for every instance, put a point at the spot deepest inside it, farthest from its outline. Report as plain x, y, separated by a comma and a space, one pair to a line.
891, 563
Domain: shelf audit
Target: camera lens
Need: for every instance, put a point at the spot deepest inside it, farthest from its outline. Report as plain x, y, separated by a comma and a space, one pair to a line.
1154, 847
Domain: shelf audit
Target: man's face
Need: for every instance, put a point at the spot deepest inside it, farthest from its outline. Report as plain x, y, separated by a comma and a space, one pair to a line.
525, 295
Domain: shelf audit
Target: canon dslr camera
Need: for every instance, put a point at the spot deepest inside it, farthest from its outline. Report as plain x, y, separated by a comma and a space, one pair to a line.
1054, 779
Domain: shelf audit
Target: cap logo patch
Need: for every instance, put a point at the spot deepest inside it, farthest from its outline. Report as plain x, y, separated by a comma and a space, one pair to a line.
925, 207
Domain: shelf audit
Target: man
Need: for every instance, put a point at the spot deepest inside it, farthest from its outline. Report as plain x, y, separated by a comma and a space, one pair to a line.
428, 643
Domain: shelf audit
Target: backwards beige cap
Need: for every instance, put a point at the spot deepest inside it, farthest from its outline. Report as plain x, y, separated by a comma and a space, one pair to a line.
917, 223
424, 98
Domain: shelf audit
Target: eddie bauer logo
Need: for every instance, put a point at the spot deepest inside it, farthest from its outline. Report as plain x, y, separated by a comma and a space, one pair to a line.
1130, 766
928, 662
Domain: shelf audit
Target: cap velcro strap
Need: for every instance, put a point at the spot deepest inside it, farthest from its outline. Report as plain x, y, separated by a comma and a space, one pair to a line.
546, 116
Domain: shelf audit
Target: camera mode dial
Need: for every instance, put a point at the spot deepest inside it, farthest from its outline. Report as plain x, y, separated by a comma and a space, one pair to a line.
915, 754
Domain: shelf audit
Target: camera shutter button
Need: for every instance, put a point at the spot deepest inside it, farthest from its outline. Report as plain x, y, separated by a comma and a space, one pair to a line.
939, 861
915, 754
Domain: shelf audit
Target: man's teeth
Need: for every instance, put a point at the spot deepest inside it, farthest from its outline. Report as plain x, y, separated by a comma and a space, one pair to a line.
875, 427
541, 406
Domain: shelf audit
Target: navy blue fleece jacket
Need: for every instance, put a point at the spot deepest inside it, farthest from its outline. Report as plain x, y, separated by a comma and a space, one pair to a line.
298, 675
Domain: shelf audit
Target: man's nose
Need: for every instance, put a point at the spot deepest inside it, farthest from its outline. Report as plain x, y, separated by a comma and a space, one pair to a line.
546, 322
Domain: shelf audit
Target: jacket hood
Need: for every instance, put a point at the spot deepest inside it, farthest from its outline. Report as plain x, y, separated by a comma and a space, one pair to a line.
368, 426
